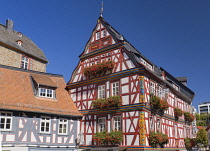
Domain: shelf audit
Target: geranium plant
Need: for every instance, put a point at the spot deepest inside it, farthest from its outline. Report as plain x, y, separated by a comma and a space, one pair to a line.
188, 117
105, 138
113, 101
99, 69
178, 112
157, 138
158, 104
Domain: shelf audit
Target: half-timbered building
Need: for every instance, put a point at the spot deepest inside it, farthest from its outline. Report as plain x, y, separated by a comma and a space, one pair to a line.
134, 78
36, 111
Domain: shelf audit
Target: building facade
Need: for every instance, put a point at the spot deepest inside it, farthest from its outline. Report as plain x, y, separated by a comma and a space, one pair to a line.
36, 111
204, 107
133, 78
19, 51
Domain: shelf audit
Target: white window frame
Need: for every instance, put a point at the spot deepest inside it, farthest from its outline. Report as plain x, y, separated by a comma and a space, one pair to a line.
152, 87
101, 124
117, 123
101, 91
5, 121
151, 122
98, 35
63, 126
44, 121
44, 92
115, 88
104, 33
158, 124
25, 62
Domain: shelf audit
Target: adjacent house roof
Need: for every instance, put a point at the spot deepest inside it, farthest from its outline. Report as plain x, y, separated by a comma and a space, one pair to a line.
18, 92
9, 38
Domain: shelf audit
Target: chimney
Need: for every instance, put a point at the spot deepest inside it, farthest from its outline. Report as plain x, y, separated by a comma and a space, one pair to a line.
9, 25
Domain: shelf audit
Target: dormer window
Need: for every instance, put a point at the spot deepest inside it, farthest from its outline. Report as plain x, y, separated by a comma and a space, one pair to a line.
44, 87
44, 92
20, 34
19, 42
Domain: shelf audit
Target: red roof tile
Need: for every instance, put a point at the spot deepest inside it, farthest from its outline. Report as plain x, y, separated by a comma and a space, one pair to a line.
17, 93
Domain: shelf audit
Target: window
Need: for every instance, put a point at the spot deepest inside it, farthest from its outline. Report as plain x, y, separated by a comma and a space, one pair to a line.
152, 87
98, 35
101, 91
6, 121
115, 88
117, 123
151, 123
43, 92
24, 62
45, 125
102, 124
158, 124
63, 126
104, 33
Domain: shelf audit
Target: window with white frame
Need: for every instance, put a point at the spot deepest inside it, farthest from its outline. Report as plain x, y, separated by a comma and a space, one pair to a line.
45, 124
175, 129
98, 35
104, 33
6, 121
151, 123
25, 62
101, 91
117, 123
43, 92
63, 126
152, 87
115, 88
158, 124
101, 124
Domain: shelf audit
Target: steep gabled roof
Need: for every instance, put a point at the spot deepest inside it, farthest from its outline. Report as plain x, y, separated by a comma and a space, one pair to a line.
137, 56
17, 91
9, 38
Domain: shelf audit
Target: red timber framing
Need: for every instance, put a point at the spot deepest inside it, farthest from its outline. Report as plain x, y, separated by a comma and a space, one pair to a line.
136, 79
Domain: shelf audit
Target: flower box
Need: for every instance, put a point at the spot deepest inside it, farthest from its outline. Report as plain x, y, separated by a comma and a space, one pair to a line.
188, 117
111, 102
158, 104
157, 138
104, 138
178, 112
99, 69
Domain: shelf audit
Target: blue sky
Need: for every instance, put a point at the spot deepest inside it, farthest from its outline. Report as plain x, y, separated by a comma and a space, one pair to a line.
173, 34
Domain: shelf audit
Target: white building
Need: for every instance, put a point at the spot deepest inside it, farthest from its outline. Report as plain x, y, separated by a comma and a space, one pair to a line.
204, 107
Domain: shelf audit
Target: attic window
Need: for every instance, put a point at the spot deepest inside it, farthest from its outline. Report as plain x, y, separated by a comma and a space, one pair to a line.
175, 87
43, 86
43, 92
19, 42
20, 34
104, 33
98, 35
